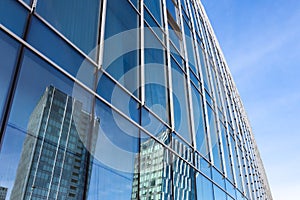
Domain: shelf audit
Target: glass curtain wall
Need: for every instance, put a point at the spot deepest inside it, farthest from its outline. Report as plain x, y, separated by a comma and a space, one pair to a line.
120, 99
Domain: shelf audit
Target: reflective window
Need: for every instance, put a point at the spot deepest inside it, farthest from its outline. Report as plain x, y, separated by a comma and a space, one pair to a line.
204, 70
155, 76
218, 177
216, 89
156, 173
214, 138
204, 188
205, 167
238, 178
183, 179
78, 21
181, 117
112, 93
218, 193
115, 165
121, 43
153, 24
43, 151
230, 188
155, 8
201, 138
227, 158
60, 52
13, 16
190, 46
8, 52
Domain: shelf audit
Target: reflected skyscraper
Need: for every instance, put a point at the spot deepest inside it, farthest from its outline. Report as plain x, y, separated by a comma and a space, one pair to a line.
54, 161
3, 192
162, 175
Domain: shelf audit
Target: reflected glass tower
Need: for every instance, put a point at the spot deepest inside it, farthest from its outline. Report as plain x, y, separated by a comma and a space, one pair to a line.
172, 126
3, 192
55, 162
159, 169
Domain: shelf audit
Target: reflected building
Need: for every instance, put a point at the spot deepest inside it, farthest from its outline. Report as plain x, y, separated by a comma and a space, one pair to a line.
161, 174
3, 192
55, 162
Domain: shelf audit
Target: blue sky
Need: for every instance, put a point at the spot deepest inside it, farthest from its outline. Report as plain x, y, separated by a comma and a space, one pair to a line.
261, 43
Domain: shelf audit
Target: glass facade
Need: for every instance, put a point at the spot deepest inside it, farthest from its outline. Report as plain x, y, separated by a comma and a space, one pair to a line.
120, 99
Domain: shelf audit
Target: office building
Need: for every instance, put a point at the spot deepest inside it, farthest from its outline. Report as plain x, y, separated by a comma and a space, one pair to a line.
154, 74
3, 192
54, 162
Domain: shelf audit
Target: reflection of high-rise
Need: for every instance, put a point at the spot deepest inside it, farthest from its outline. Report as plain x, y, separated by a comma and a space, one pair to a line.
3, 192
55, 162
161, 173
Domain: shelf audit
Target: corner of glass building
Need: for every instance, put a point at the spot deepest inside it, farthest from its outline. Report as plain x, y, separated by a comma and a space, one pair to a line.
120, 99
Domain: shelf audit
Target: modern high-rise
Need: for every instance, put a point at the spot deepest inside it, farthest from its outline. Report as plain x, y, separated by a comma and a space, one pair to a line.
54, 162
152, 108
3, 192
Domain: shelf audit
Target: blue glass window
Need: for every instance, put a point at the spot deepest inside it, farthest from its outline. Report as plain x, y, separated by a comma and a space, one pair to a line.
204, 70
204, 188
201, 138
112, 93
227, 159
8, 51
218, 193
60, 52
121, 55
183, 179
115, 161
78, 21
13, 16
155, 8
180, 104
218, 177
153, 24
214, 138
155, 76
34, 120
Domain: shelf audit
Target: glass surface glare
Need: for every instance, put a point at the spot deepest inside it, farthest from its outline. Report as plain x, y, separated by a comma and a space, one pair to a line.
78, 21
121, 46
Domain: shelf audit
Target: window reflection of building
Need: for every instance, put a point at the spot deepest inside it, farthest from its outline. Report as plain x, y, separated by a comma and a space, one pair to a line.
161, 173
3, 192
54, 161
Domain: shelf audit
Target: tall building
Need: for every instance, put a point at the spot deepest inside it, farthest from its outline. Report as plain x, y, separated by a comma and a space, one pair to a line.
54, 162
172, 125
3, 192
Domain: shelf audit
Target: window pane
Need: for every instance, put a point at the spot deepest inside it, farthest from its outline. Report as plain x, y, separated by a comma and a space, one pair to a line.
112, 93
155, 8
8, 52
60, 52
43, 152
155, 169
183, 179
179, 85
115, 163
201, 138
13, 16
218, 193
204, 188
122, 43
155, 76
214, 138
78, 20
